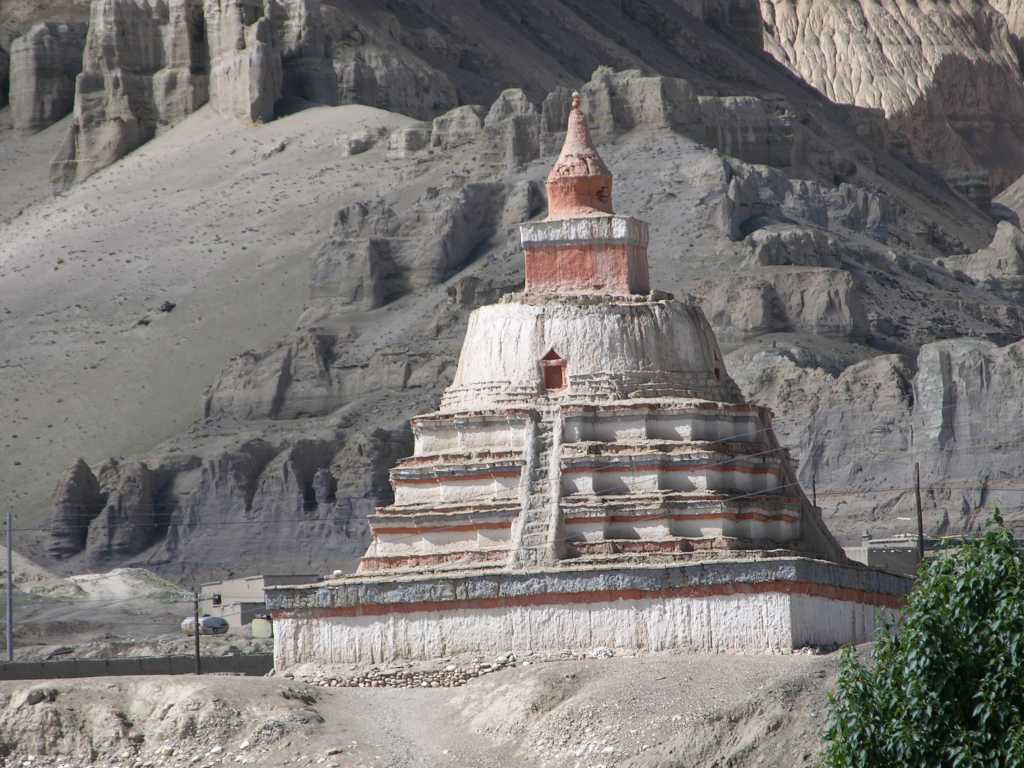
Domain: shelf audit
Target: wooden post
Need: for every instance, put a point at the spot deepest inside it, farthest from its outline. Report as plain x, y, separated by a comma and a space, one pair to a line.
195, 627
920, 516
10, 585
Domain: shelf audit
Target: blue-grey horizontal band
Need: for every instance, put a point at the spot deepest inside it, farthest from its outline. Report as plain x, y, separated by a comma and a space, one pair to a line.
482, 585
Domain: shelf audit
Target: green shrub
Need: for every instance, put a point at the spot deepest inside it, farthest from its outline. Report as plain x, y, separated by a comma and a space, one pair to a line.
948, 689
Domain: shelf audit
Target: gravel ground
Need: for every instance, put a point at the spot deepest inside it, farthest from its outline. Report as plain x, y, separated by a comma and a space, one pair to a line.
651, 711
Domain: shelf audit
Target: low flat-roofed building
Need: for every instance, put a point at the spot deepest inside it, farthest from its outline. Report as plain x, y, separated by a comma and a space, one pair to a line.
241, 600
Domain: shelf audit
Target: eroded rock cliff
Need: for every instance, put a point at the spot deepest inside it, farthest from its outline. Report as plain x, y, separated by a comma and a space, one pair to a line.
144, 69
44, 64
823, 277
818, 251
945, 74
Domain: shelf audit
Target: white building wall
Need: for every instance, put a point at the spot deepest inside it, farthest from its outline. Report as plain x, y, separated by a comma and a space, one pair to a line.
756, 623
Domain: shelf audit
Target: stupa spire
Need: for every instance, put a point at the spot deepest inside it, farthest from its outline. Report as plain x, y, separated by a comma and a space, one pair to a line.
580, 184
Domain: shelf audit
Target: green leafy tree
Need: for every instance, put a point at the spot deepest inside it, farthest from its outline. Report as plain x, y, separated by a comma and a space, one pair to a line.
947, 690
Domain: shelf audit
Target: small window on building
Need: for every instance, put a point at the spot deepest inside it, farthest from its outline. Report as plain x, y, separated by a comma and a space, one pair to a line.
556, 376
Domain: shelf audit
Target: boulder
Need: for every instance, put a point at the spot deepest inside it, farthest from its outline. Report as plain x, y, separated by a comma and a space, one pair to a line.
77, 502
357, 264
44, 64
246, 73
358, 142
143, 70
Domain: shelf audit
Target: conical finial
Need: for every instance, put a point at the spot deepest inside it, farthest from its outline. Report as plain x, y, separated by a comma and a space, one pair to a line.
580, 184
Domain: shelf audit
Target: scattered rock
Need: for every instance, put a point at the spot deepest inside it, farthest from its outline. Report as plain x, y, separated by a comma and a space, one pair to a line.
357, 143
39, 695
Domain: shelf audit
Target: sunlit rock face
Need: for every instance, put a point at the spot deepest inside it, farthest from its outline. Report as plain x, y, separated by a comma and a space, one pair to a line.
945, 74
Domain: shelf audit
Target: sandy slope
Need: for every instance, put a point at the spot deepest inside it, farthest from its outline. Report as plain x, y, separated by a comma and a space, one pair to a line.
25, 163
208, 217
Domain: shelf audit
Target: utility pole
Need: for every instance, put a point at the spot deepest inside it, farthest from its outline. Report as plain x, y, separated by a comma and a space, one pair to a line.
920, 516
10, 585
195, 627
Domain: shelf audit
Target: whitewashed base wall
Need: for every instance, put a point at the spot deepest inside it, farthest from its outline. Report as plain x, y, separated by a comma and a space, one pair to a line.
756, 623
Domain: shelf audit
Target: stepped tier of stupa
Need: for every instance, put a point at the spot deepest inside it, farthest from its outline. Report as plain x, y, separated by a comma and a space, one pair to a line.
593, 478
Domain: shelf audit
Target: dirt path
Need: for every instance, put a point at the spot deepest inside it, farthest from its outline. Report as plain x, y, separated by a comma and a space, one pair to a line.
648, 712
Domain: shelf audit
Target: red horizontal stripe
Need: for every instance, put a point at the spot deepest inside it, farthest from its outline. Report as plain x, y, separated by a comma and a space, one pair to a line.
432, 528
760, 517
676, 468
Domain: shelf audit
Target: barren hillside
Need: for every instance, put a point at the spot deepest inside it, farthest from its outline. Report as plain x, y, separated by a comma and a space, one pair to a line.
247, 315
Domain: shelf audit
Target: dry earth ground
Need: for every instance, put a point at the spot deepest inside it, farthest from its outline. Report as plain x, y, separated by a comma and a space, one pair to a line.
662, 711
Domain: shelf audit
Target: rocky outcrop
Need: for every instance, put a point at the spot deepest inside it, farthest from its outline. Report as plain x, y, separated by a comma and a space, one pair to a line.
861, 431
747, 128
375, 255
308, 72
144, 69
44, 64
822, 302
1000, 267
246, 74
77, 502
374, 68
261, 55
291, 380
461, 125
278, 501
946, 75
129, 520
1013, 12
758, 196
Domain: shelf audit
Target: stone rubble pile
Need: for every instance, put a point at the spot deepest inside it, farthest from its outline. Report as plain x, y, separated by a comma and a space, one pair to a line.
447, 673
